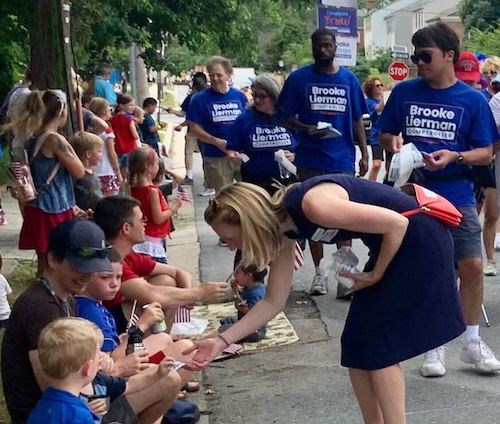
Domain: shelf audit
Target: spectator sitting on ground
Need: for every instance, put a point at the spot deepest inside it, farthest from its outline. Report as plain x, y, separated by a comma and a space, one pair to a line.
254, 290
88, 148
143, 279
75, 250
104, 286
69, 353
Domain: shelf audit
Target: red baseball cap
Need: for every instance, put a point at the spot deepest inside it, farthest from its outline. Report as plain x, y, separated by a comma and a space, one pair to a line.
467, 67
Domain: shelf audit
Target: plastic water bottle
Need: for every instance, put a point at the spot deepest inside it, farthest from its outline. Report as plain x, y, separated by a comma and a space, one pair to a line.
342, 260
134, 343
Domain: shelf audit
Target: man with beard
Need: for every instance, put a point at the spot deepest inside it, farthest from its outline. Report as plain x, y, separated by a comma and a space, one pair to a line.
325, 92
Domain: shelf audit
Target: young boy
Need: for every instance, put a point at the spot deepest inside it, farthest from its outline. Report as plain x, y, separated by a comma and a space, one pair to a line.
5, 292
254, 290
69, 350
148, 127
88, 147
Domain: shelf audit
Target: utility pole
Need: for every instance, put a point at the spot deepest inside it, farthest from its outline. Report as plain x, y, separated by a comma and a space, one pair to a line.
51, 53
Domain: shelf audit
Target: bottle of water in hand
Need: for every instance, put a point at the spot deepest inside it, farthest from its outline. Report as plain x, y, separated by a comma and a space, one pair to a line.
342, 260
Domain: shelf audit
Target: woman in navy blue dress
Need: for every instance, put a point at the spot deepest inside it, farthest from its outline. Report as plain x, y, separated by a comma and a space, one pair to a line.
406, 300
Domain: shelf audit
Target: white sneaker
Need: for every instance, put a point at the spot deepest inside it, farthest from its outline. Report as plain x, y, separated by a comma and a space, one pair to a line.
477, 353
434, 363
319, 286
207, 192
490, 270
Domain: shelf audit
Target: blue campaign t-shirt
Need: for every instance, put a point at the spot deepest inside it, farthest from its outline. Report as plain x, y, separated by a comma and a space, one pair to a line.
457, 118
313, 96
59, 407
259, 135
215, 113
371, 104
150, 138
98, 314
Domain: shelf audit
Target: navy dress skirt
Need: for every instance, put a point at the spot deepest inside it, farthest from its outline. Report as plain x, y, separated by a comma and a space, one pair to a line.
415, 307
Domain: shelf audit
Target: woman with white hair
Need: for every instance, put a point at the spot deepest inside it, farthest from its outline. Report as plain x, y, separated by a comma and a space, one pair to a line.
259, 134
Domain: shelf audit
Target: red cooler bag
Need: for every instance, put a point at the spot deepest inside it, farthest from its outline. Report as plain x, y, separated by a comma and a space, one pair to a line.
432, 204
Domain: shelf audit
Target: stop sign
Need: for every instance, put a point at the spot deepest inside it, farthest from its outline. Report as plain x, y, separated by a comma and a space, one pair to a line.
398, 71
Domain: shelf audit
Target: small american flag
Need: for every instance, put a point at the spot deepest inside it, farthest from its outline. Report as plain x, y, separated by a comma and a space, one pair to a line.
183, 314
183, 195
299, 257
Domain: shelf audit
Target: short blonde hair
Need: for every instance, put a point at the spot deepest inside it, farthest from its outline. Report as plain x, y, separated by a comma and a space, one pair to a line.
66, 344
84, 142
138, 111
491, 64
99, 106
250, 207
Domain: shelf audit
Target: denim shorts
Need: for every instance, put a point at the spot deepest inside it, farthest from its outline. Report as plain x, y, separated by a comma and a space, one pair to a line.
123, 159
467, 236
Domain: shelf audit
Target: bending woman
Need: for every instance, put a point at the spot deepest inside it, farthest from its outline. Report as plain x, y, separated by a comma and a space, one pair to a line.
405, 302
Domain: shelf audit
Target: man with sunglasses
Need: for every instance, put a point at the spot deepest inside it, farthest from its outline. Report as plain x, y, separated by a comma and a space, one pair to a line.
453, 124
76, 250
325, 92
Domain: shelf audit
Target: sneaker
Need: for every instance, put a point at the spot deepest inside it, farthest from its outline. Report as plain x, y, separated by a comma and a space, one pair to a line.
477, 353
207, 192
490, 270
434, 365
319, 286
222, 242
187, 181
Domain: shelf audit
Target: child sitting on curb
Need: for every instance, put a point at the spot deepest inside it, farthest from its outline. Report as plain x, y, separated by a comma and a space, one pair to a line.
69, 351
253, 291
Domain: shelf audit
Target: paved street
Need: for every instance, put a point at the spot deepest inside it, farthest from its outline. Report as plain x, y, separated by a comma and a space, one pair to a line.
304, 382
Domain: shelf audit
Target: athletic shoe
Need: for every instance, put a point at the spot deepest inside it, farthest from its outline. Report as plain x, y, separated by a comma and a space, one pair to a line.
490, 270
434, 364
477, 353
207, 192
319, 286
187, 181
222, 242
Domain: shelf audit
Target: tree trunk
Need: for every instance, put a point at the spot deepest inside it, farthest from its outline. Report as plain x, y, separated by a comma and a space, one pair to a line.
51, 58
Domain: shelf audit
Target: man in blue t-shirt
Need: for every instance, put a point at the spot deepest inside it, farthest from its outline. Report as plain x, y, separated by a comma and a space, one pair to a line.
453, 124
325, 92
103, 88
211, 115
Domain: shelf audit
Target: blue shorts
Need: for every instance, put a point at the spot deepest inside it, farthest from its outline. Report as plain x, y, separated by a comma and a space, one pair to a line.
123, 160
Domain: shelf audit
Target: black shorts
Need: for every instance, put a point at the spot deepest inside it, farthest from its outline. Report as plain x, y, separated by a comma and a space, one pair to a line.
377, 152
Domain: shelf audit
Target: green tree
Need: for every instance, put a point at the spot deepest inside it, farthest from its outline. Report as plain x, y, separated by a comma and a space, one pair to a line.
480, 14
487, 42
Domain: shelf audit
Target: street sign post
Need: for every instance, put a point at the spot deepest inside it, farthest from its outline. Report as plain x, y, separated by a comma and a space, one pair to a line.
398, 71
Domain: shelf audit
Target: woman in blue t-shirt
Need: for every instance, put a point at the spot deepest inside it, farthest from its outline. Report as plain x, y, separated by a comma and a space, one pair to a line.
374, 91
259, 135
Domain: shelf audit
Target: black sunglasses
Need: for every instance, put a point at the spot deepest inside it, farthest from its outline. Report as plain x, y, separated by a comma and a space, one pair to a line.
90, 252
425, 57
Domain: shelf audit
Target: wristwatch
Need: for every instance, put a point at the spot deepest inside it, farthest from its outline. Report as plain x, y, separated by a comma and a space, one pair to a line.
460, 159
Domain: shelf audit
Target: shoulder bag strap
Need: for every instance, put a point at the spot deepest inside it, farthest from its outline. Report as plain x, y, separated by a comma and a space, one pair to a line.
38, 147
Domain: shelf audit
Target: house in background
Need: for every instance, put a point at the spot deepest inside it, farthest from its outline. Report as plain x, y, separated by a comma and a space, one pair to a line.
392, 27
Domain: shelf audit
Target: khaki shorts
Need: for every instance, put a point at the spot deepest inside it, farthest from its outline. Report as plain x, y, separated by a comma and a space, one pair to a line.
191, 144
219, 172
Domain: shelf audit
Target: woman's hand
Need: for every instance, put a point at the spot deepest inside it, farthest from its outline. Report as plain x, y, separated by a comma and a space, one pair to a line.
206, 351
362, 280
289, 155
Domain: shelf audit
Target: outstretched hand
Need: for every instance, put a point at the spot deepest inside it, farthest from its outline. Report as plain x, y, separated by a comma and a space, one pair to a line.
362, 280
206, 351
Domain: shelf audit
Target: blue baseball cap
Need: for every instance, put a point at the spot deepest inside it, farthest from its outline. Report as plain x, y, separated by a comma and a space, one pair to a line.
82, 244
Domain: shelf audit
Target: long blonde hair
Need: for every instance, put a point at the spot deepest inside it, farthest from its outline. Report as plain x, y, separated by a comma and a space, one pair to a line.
259, 217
